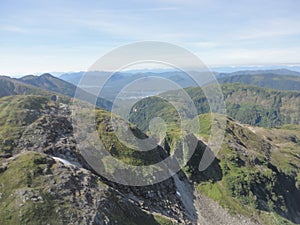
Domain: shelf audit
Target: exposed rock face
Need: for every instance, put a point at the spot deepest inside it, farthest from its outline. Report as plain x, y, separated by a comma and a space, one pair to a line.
57, 193
53, 184
51, 133
212, 213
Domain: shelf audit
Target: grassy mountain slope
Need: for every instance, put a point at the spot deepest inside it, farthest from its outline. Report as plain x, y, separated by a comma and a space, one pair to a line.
50, 83
259, 173
23, 116
280, 82
248, 104
11, 86
16, 113
256, 173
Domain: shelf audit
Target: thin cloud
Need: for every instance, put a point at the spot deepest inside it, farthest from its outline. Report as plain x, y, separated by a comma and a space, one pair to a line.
160, 9
206, 44
242, 32
271, 29
251, 56
11, 28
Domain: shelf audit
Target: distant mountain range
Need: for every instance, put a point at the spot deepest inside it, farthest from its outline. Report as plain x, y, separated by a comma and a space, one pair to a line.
75, 77
284, 72
282, 79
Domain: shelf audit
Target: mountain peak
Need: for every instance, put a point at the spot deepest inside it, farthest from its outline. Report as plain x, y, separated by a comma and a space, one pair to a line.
47, 75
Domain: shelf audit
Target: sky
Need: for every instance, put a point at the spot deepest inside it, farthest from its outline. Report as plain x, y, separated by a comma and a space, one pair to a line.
59, 36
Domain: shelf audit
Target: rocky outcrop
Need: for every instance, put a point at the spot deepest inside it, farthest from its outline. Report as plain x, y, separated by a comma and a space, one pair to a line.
51, 133
48, 191
54, 184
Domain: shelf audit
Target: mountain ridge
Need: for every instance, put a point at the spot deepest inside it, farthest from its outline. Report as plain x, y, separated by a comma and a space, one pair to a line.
245, 153
47, 85
51, 83
253, 180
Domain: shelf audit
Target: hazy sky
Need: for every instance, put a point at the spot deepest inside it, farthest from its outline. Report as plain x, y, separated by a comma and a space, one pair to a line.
70, 35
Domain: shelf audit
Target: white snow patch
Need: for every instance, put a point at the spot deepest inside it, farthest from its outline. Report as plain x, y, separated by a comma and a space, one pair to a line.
64, 161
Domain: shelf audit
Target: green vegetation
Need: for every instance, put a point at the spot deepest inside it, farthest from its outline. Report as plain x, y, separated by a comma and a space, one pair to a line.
251, 105
16, 113
268, 80
34, 190
152, 107
162, 220
123, 152
254, 105
48, 82
24, 196
258, 173
11, 86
